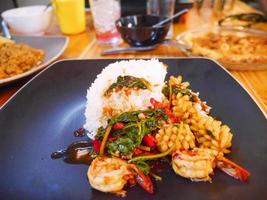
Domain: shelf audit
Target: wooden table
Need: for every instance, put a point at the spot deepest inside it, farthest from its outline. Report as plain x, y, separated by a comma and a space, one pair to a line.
84, 46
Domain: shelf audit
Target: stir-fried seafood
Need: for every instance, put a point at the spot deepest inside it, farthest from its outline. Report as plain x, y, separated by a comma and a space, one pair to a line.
176, 128
179, 126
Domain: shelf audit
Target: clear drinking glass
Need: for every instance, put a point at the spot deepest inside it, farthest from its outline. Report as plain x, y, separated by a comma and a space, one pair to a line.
163, 8
206, 13
223, 7
105, 13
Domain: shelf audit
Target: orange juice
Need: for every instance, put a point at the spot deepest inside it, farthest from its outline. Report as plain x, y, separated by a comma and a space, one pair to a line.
70, 15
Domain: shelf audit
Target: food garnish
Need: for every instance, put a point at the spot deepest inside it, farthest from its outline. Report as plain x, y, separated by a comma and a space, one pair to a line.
128, 82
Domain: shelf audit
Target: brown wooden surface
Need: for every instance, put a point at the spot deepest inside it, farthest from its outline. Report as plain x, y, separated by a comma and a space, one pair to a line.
84, 46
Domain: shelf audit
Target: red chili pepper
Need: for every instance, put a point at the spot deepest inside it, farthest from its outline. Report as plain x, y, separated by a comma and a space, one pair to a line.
152, 101
96, 145
172, 116
150, 141
156, 104
118, 125
137, 151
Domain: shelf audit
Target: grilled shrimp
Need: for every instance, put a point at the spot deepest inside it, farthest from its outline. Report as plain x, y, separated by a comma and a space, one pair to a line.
196, 164
109, 174
112, 174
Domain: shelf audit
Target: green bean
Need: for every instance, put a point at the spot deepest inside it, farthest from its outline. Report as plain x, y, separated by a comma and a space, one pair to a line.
104, 141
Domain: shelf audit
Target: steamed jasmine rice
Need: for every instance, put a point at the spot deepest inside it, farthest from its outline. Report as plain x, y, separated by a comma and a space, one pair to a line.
98, 106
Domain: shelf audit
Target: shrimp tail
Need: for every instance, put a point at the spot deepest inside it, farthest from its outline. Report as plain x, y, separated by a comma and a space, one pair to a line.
232, 169
143, 180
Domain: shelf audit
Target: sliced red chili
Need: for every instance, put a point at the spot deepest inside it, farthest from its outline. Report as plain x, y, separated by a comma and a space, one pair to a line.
156, 104
137, 151
150, 141
172, 116
118, 125
96, 145
168, 112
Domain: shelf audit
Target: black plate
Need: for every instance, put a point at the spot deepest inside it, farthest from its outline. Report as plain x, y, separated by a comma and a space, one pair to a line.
41, 117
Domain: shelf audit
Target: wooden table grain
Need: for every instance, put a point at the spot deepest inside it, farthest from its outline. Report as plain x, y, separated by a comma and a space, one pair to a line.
85, 46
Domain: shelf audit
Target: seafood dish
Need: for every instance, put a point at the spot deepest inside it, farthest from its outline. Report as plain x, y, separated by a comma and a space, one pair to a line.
228, 46
136, 119
17, 58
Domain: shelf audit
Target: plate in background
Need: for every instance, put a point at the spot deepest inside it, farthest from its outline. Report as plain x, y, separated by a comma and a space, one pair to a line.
36, 122
53, 46
185, 38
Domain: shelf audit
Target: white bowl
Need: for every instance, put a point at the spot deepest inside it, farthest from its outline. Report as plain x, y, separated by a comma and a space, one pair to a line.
29, 20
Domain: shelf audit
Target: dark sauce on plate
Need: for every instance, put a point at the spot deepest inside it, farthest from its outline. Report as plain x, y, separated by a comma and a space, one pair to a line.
77, 152
157, 166
79, 132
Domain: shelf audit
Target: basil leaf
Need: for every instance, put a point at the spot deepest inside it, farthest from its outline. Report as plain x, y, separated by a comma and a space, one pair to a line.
128, 82
143, 166
123, 145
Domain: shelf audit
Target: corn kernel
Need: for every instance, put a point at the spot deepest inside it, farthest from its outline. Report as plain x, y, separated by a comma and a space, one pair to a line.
173, 137
163, 147
170, 144
166, 138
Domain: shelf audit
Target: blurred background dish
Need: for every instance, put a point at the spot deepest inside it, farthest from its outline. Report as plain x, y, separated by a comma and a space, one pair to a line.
52, 46
17, 58
29, 20
137, 30
235, 49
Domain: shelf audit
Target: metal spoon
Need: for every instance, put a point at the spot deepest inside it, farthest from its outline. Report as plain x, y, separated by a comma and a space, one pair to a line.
170, 18
5, 30
47, 6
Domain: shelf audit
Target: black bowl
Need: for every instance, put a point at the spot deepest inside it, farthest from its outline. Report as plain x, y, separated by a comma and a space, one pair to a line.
137, 30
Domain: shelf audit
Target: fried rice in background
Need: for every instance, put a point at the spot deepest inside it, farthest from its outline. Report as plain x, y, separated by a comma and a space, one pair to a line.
17, 58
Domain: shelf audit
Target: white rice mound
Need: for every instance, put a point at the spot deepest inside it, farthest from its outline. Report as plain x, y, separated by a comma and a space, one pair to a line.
151, 70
